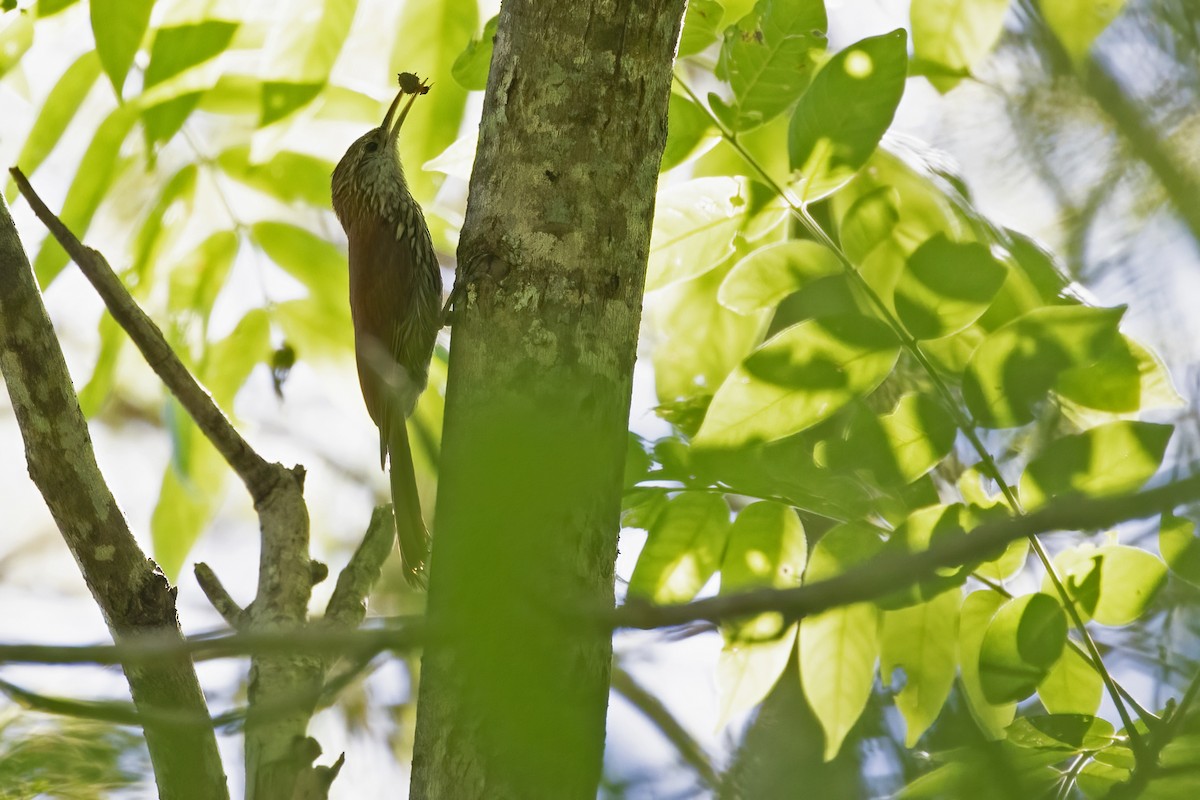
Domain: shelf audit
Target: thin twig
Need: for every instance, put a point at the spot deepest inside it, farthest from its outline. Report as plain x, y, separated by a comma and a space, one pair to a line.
405, 634
653, 709
220, 599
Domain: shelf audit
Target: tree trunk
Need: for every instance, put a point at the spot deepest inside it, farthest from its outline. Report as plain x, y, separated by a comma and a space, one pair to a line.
515, 685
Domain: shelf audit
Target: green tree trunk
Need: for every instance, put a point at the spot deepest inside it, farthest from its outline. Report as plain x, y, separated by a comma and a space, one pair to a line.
515, 686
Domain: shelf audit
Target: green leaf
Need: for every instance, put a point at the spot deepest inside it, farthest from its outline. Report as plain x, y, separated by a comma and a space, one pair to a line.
229, 362
946, 286
767, 548
1126, 380
99, 386
700, 24
1015, 367
919, 433
310, 259
683, 550
16, 36
298, 57
868, 222
196, 280
1008, 564
431, 34
287, 176
194, 479
843, 115
1078, 23
839, 648
46, 8
1110, 459
955, 34
305, 323
688, 126
694, 226
768, 60
1062, 730
922, 640
1113, 584
978, 609
699, 342
1180, 547
1097, 780
893, 449
119, 26
96, 171
471, 67
176, 49
56, 113
747, 671
798, 378
1023, 641
173, 205
924, 528
1072, 687
281, 98
769, 274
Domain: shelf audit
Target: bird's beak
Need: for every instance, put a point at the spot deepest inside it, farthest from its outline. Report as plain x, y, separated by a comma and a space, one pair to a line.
393, 129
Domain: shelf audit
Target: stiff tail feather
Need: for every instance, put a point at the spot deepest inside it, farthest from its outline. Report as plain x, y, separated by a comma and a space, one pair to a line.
412, 536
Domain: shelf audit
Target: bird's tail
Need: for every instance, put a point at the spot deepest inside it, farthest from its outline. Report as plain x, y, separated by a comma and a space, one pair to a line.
412, 535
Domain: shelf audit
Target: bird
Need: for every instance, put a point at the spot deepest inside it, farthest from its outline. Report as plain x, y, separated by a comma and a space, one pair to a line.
395, 305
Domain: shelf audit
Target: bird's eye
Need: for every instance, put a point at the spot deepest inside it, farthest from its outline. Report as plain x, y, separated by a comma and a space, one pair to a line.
372, 146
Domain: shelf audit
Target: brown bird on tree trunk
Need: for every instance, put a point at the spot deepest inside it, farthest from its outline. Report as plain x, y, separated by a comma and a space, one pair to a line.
395, 303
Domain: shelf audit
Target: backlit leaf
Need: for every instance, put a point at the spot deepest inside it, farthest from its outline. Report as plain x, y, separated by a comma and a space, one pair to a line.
56, 113
922, 640
683, 549
1180, 547
1016, 366
843, 115
766, 548
1110, 459
1072, 687
700, 24
839, 648
1023, 641
798, 378
946, 286
955, 34
175, 50
769, 274
694, 226
1113, 584
471, 67
1077, 23
978, 609
768, 59
93, 177
119, 26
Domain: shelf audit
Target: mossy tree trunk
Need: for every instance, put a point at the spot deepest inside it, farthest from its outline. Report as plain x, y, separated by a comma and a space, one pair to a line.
514, 688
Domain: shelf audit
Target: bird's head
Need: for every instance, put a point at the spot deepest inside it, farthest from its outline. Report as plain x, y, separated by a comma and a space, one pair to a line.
369, 175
